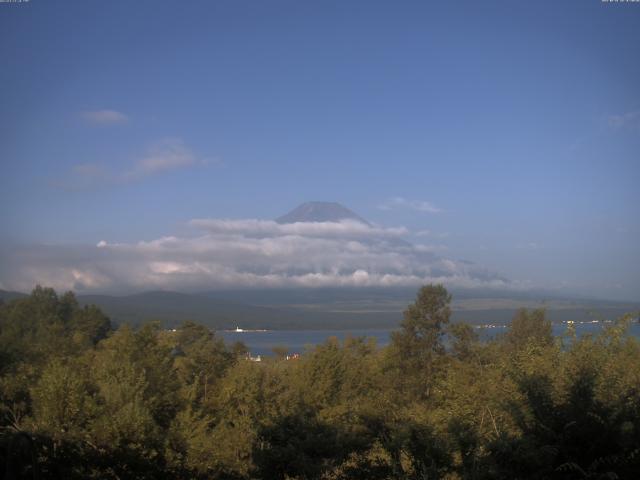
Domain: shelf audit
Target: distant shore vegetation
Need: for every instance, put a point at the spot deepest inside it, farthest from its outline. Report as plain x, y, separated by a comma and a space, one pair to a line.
80, 399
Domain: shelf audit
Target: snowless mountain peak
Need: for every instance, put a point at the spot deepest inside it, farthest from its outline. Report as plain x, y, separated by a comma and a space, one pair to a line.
320, 212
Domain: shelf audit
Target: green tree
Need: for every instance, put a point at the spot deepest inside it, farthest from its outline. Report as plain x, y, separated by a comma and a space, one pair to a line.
297, 446
200, 360
62, 401
463, 340
89, 325
418, 344
529, 327
280, 351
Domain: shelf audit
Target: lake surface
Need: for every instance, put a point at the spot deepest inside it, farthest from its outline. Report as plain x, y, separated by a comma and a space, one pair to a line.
297, 341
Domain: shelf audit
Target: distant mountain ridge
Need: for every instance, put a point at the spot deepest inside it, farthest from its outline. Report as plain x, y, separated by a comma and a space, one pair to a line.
320, 212
317, 309
7, 295
219, 312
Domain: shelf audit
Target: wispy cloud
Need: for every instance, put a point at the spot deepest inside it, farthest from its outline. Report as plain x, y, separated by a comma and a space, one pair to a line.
624, 120
164, 156
417, 205
104, 117
168, 154
85, 176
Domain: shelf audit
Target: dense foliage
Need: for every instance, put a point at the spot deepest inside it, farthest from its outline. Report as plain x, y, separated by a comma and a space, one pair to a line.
79, 399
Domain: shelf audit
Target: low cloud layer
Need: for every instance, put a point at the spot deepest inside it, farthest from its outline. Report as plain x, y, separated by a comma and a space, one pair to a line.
242, 253
251, 228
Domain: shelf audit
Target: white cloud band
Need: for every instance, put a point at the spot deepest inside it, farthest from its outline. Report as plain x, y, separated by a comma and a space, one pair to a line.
243, 253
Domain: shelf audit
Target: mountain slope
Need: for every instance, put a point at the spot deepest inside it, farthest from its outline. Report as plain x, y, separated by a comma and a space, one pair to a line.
302, 309
317, 309
172, 308
320, 212
7, 296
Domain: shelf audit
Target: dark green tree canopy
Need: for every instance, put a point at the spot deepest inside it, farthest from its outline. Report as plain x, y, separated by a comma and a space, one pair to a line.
80, 400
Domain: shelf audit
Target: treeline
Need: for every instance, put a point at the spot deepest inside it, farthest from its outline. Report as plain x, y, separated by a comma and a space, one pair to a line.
80, 399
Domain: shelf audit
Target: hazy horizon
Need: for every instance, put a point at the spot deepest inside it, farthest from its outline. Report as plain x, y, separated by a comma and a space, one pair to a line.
153, 146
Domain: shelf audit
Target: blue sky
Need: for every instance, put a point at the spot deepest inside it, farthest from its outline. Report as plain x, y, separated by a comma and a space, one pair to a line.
518, 122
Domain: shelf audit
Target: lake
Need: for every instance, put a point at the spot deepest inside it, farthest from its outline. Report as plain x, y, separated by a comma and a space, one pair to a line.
261, 342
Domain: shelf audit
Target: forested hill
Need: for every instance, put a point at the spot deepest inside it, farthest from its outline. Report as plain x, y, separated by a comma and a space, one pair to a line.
172, 308
7, 296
